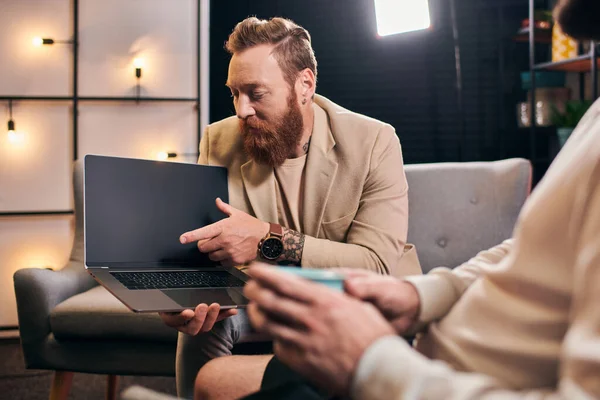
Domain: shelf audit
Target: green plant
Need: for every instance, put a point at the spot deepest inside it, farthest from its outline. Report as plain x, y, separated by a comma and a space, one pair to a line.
542, 15
574, 111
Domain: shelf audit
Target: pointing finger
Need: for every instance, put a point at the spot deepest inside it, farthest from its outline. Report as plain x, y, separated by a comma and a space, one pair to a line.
224, 207
207, 232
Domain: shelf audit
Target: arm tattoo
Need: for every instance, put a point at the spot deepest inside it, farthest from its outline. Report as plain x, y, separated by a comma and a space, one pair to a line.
293, 244
305, 146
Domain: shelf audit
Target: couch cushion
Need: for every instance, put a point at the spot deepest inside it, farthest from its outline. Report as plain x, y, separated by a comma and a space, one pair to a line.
458, 209
96, 314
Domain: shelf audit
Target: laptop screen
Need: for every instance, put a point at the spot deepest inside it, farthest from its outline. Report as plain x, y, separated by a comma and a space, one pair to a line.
136, 210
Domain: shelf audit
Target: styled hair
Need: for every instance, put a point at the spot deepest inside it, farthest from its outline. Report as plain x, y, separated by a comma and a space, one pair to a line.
293, 50
579, 18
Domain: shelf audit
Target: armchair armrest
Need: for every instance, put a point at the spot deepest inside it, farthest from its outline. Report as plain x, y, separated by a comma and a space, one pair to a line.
38, 291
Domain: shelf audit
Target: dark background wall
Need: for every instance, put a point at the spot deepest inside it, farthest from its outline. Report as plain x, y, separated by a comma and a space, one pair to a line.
407, 80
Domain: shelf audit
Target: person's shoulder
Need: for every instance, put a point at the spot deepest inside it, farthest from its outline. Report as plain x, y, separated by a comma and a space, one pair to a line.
224, 140
351, 126
224, 129
224, 133
340, 115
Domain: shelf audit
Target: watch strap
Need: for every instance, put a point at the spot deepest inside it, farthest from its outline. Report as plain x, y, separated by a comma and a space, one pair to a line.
275, 230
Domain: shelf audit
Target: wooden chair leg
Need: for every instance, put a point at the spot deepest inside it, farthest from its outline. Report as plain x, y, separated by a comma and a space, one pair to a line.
61, 385
111, 387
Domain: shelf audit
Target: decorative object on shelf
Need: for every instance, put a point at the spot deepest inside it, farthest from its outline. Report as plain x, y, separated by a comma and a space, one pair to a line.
542, 26
38, 41
563, 47
542, 20
539, 25
567, 121
558, 96
523, 115
542, 114
543, 79
546, 98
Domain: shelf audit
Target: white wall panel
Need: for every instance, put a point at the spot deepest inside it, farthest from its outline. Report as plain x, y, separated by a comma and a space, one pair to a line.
31, 242
139, 131
26, 69
114, 32
35, 174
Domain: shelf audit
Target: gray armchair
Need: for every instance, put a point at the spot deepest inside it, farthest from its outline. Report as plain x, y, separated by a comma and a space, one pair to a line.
70, 324
459, 209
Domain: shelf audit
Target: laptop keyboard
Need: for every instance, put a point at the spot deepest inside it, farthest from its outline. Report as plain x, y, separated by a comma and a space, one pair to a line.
177, 279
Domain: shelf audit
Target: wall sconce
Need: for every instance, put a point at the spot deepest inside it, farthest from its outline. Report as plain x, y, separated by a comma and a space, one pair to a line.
38, 41
164, 155
138, 64
13, 135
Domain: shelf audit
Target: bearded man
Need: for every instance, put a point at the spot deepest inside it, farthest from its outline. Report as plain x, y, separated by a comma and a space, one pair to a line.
518, 321
326, 184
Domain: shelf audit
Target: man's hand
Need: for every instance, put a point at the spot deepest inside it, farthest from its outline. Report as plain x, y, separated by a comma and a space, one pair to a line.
202, 319
397, 300
232, 241
319, 332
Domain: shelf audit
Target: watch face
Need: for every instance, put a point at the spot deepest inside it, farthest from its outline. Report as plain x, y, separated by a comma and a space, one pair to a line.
271, 248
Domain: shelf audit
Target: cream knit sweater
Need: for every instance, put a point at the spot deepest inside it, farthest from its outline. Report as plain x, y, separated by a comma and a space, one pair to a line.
521, 320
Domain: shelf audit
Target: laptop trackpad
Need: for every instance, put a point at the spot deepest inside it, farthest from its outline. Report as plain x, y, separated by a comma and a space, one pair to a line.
190, 298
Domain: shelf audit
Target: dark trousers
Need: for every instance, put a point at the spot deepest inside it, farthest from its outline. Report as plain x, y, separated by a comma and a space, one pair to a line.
280, 382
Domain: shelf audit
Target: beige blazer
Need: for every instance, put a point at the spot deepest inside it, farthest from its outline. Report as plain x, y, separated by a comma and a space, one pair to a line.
355, 196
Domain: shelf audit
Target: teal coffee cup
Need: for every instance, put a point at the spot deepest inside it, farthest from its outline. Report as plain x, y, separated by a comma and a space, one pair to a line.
325, 277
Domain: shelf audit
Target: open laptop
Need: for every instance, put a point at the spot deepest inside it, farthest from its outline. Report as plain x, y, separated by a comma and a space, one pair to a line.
134, 213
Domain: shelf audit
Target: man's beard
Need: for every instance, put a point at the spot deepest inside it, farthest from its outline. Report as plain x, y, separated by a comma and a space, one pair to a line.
272, 143
579, 18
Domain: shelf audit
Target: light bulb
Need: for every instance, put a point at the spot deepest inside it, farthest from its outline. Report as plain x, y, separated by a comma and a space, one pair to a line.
16, 137
37, 41
138, 62
163, 155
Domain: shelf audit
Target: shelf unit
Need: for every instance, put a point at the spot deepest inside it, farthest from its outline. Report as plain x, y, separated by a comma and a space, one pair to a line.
541, 35
74, 99
581, 64
577, 64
